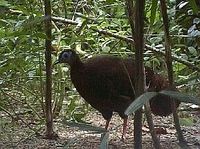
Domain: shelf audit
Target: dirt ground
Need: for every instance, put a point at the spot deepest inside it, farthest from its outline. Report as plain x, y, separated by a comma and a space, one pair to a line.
74, 138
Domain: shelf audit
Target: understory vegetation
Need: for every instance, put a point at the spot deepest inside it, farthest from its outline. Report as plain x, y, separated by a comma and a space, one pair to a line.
97, 27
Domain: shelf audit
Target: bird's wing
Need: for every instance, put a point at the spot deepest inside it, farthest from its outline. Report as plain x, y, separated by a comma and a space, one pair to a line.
108, 83
101, 85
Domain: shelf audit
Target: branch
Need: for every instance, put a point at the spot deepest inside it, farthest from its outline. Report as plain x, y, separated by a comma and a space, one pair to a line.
107, 33
148, 47
131, 14
63, 20
137, 29
128, 40
168, 55
176, 58
48, 92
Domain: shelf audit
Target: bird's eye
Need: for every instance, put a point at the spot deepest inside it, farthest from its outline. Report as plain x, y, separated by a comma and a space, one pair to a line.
65, 55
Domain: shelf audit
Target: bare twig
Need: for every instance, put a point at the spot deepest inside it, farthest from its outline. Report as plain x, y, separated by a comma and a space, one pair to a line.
151, 126
168, 55
48, 92
63, 20
137, 28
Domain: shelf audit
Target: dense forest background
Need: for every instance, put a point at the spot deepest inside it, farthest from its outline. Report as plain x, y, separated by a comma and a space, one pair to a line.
91, 28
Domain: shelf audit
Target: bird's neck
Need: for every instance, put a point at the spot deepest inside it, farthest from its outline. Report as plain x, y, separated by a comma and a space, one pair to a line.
76, 65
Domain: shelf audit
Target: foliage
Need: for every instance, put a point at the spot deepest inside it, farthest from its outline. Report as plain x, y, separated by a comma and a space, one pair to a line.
144, 98
22, 51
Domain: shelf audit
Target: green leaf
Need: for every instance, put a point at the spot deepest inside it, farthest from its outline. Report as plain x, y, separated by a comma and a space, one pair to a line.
186, 121
4, 3
106, 49
110, 1
104, 141
194, 6
78, 117
181, 97
85, 127
16, 33
40, 35
139, 102
193, 51
153, 11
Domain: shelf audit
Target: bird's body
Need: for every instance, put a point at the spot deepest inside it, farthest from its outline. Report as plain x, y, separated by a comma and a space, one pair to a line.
107, 84
161, 104
104, 86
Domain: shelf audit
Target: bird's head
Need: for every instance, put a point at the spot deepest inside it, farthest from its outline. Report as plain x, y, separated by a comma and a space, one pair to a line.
66, 56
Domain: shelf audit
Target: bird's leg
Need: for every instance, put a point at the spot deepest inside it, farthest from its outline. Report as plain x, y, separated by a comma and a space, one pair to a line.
107, 124
124, 128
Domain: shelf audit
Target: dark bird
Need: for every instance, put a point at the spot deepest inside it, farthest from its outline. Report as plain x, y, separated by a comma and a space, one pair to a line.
107, 84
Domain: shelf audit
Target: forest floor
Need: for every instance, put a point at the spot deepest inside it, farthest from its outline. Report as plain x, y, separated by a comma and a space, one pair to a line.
74, 138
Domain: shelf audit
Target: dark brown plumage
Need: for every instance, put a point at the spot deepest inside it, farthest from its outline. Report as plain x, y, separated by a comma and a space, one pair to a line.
161, 104
106, 83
